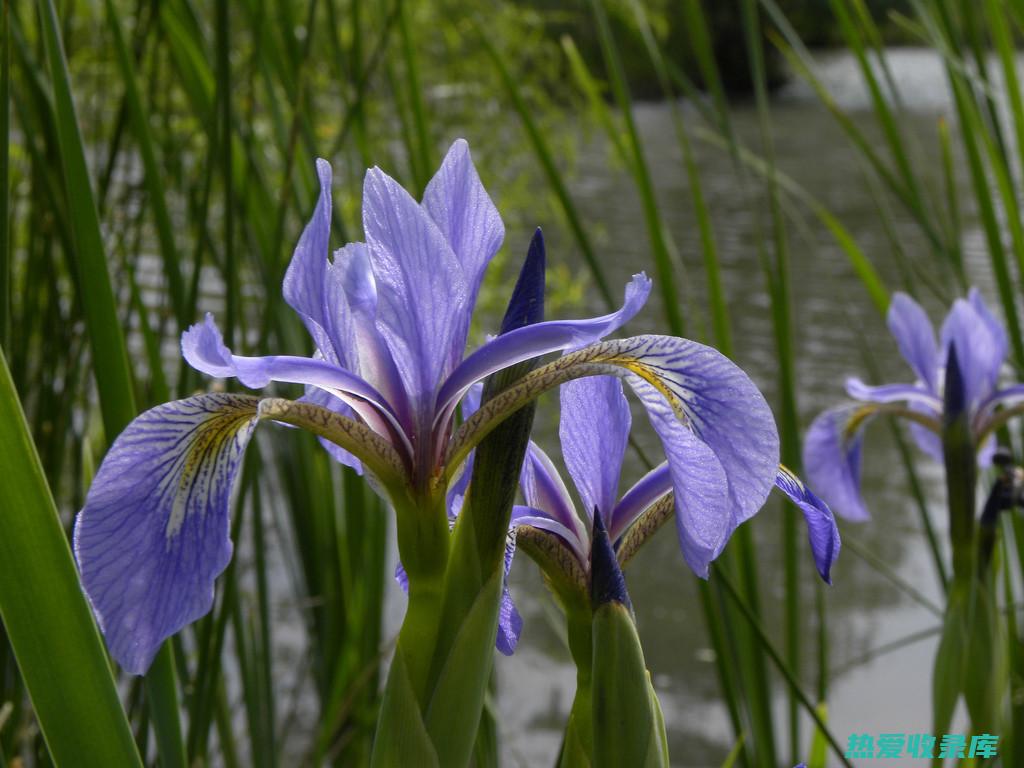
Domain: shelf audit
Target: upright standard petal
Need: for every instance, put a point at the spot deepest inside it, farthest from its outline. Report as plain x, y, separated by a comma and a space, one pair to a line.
980, 351
153, 534
421, 287
822, 530
352, 304
995, 328
459, 205
536, 340
304, 286
593, 431
832, 458
915, 338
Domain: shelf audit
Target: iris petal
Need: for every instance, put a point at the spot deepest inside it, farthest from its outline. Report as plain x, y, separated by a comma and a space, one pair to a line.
542, 519
544, 490
203, 347
458, 204
539, 339
594, 430
822, 530
705, 515
980, 351
153, 534
915, 338
510, 623
893, 393
720, 404
996, 330
831, 458
647, 490
304, 282
352, 306
422, 291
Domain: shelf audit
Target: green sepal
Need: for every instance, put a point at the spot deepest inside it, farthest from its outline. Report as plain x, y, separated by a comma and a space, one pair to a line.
629, 728
402, 737
458, 695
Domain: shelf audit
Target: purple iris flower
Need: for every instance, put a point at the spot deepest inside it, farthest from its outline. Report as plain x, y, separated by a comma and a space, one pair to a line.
832, 447
389, 318
593, 431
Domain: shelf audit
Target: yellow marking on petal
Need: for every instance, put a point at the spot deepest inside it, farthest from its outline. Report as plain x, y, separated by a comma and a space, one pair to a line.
634, 365
207, 441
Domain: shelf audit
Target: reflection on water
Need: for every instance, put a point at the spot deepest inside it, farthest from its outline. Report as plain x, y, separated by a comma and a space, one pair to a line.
834, 320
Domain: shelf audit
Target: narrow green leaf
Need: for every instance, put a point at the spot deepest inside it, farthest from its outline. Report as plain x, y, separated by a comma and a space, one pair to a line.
547, 162
819, 744
153, 173
948, 673
45, 614
110, 358
5, 180
661, 246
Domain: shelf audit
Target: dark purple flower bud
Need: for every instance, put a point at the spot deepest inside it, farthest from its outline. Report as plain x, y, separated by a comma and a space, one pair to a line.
526, 306
607, 584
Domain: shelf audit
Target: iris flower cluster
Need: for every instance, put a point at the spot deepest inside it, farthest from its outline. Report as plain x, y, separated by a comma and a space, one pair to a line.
389, 319
970, 351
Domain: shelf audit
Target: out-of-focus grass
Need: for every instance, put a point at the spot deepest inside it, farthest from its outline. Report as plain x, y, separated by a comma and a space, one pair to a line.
192, 176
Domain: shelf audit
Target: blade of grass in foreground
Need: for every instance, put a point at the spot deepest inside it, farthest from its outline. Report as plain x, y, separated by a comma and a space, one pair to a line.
44, 611
110, 357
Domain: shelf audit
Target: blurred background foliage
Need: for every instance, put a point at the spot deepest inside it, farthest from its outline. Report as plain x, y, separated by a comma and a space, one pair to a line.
200, 122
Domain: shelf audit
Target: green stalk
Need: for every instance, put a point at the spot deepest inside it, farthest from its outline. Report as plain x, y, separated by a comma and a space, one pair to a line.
224, 143
551, 173
780, 664
663, 258
778, 284
153, 173
421, 153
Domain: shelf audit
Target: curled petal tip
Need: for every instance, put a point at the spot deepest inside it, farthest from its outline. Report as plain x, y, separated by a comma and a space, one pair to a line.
822, 531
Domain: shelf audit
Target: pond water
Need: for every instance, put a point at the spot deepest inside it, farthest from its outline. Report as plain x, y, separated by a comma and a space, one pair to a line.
890, 692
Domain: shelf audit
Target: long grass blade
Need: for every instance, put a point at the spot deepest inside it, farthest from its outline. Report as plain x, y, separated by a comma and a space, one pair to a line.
110, 359
48, 622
